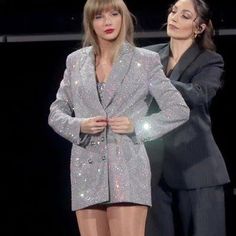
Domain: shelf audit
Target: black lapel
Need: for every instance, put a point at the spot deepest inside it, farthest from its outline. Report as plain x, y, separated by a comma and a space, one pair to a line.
185, 61
164, 56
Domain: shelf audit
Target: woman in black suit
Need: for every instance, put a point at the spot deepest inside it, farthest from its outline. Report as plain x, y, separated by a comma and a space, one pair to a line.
189, 199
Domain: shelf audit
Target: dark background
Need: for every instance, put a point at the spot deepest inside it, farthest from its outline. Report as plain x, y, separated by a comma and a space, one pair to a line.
35, 166
47, 16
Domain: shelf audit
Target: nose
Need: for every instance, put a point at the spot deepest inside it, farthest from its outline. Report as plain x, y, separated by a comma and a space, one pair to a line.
107, 20
174, 17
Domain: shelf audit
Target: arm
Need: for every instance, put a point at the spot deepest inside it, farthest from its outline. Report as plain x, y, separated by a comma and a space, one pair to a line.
204, 84
61, 111
173, 109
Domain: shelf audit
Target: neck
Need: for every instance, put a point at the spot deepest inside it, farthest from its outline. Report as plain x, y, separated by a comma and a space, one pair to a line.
107, 51
178, 47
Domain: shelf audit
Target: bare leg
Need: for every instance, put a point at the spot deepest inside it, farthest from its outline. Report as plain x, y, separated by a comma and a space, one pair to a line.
127, 220
93, 221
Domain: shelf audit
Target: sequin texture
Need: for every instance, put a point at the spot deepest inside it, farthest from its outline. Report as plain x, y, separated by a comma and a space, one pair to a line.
108, 167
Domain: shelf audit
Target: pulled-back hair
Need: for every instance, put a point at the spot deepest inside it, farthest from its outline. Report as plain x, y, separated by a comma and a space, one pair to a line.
204, 39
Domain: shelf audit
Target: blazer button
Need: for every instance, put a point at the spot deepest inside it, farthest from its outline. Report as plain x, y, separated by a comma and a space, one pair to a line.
92, 143
90, 161
103, 158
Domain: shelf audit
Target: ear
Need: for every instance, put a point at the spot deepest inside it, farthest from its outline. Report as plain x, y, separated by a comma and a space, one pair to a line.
201, 28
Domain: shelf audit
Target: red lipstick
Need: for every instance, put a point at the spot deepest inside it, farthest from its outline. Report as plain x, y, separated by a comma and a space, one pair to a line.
109, 31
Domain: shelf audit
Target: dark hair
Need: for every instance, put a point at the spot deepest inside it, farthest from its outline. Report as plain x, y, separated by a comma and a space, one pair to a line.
204, 39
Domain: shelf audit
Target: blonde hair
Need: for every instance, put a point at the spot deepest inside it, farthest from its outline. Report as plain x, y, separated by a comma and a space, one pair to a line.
94, 7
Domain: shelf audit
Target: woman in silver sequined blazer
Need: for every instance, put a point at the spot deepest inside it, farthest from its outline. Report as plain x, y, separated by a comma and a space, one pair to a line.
100, 107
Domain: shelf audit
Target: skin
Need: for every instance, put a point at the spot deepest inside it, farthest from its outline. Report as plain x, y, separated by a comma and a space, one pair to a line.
181, 21
107, 19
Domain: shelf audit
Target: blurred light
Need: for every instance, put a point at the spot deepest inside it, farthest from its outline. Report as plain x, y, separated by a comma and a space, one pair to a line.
146, 126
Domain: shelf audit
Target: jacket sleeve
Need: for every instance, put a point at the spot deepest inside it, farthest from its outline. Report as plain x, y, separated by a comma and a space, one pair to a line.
204, 84
173, 109
61, 117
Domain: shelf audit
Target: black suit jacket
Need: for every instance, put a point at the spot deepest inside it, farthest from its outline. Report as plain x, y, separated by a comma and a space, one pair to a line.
191, 157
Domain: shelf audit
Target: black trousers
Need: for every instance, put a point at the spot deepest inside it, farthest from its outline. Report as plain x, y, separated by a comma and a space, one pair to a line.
197, 212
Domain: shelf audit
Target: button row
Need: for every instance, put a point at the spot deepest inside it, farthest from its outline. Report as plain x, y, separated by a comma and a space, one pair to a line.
90, 161
98, 142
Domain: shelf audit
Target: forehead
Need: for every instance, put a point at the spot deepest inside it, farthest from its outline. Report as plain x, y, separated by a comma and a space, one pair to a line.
105, 8
185, 5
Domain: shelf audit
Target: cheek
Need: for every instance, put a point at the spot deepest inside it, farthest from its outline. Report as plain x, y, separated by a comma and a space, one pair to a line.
187, 30
118, 23
168, 19
182, 33
96, 26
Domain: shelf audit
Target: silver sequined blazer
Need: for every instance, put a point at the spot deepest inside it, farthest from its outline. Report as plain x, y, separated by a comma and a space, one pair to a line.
112, 168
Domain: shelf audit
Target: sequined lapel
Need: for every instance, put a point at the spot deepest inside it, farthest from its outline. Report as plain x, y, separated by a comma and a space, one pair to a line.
88, 80
118, 73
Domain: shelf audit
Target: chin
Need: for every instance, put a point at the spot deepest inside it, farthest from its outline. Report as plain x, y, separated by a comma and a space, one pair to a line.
112, 37
170, 33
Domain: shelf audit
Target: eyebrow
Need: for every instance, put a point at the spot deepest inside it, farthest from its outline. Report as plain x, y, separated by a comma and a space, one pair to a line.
184, 10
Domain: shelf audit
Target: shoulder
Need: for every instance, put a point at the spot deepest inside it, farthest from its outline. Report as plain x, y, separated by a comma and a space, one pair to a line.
157, 47
78, 56
144, 53
211, 57
149, 59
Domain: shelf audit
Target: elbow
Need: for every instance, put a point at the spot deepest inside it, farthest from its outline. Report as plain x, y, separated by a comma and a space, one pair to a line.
50, 120
182, 113
185, 113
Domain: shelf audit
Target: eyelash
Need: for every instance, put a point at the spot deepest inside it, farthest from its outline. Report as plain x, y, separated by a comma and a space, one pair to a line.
115, 13
97, 16
174, 12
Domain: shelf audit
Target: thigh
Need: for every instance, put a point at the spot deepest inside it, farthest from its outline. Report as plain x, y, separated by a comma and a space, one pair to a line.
127, 219
160, 219
203, 211
93, 221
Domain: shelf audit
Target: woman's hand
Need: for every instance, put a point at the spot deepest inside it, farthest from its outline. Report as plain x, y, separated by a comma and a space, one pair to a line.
121, 125
93, 125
